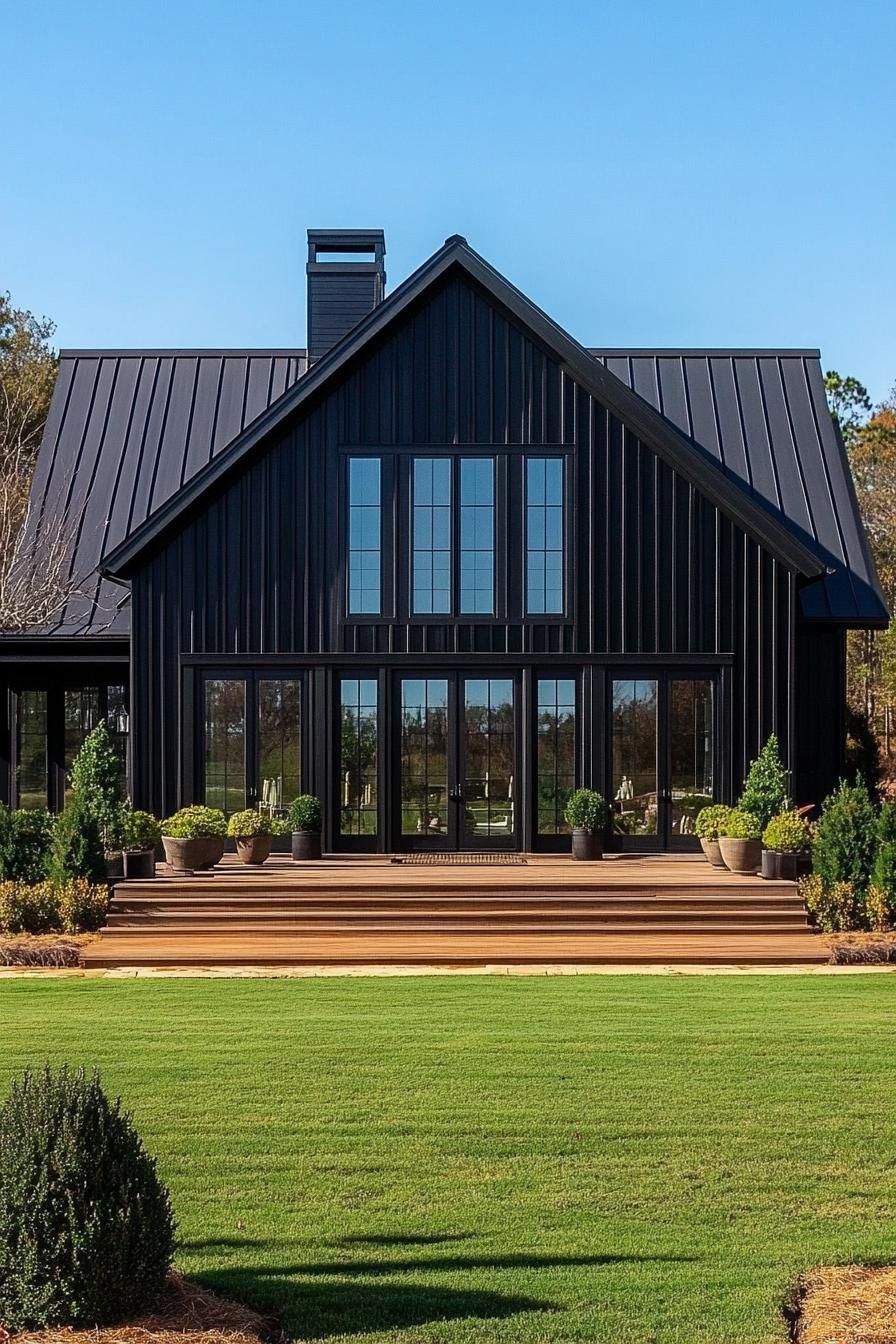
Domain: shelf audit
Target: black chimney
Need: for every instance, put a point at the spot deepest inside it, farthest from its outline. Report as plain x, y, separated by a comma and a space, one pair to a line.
346, 280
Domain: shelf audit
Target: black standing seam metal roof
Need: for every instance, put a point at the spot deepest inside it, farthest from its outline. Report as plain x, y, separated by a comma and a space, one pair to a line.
763, 414
128, 430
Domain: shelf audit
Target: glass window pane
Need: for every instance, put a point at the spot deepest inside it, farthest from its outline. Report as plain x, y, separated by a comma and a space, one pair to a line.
477, 535
365, 536
279, 745
432, 535
488, 756
691, 743
634, 757
225, 744
556, 753
424, 757
358, 757
544, 535
31, 749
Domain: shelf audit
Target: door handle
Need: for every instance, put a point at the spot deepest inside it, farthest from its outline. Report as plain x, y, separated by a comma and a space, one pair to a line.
455, 795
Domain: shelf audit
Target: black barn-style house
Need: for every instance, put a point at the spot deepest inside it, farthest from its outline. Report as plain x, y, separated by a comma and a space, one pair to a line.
440, 568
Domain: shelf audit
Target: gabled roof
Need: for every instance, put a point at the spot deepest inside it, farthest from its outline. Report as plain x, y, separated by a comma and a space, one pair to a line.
135, 438
683, 454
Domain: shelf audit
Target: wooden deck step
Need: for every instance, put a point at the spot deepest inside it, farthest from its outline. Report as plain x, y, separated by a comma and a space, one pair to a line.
651, 910
457, 950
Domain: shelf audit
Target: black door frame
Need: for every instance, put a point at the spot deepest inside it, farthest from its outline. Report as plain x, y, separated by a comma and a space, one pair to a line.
251, 676
454, 839
663, 840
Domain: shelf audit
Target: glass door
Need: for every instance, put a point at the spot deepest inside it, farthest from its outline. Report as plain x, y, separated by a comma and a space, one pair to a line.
662, 767
251, 741
456, 758
487, 757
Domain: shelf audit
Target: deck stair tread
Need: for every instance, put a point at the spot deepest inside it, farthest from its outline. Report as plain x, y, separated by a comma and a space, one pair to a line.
441, 949
369, 911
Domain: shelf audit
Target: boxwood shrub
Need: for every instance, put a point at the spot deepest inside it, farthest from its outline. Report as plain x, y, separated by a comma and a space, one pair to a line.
86, 1228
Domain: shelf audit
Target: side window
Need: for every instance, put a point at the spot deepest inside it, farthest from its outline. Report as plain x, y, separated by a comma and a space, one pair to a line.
545, 527
364, 536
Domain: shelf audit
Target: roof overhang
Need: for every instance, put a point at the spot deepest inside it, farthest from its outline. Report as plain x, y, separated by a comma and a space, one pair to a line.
686, 457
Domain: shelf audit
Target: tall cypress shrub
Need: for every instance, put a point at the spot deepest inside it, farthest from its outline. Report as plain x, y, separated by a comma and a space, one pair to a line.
95, 781
767, 784
77, 845
846, 837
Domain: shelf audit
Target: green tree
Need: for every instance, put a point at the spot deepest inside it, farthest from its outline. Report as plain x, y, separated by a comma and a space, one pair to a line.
34, 553
849, 403
766, 785
95, 780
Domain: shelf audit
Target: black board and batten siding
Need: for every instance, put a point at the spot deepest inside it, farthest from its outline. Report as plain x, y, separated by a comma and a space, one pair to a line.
657, 575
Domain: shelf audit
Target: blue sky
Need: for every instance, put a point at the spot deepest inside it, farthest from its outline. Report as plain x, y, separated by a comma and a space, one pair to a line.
650, 173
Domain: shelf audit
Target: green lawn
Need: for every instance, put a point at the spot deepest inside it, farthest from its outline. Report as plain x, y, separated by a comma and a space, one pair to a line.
595, 1158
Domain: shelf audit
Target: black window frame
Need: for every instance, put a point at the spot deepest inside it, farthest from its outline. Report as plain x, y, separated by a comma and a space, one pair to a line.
510, 534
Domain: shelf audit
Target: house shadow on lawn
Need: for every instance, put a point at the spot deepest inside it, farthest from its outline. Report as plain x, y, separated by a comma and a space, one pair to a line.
348, 1307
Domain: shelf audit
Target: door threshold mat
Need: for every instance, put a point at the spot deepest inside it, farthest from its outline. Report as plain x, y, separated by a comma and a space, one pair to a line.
496, 860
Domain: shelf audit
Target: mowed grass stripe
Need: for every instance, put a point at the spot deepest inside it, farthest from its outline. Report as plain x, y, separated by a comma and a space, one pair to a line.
607, 1159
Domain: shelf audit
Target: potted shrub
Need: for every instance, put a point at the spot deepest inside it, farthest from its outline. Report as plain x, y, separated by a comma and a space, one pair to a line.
141, 834
304, 818
253, 835
766, 784
788, 847
194, 838
706, 827
586, 813
740, 841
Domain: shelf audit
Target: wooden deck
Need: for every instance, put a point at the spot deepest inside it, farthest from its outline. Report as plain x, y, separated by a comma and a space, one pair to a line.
369, 911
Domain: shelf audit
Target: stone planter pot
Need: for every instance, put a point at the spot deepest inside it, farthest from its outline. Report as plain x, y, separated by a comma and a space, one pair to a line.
254, 849
305, 846
741, 856
587, 846
194, 855
784, 867
139, 864
713, 853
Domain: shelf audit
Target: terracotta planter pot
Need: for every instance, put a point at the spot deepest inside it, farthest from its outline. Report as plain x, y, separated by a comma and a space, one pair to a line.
139, 864
254, 849
741, 856
713, 853
587, 846
194, 855
305, 846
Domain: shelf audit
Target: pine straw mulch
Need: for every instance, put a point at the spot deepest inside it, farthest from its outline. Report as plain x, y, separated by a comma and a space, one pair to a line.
185, 1314
847, 1304
861, 949
53, 950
